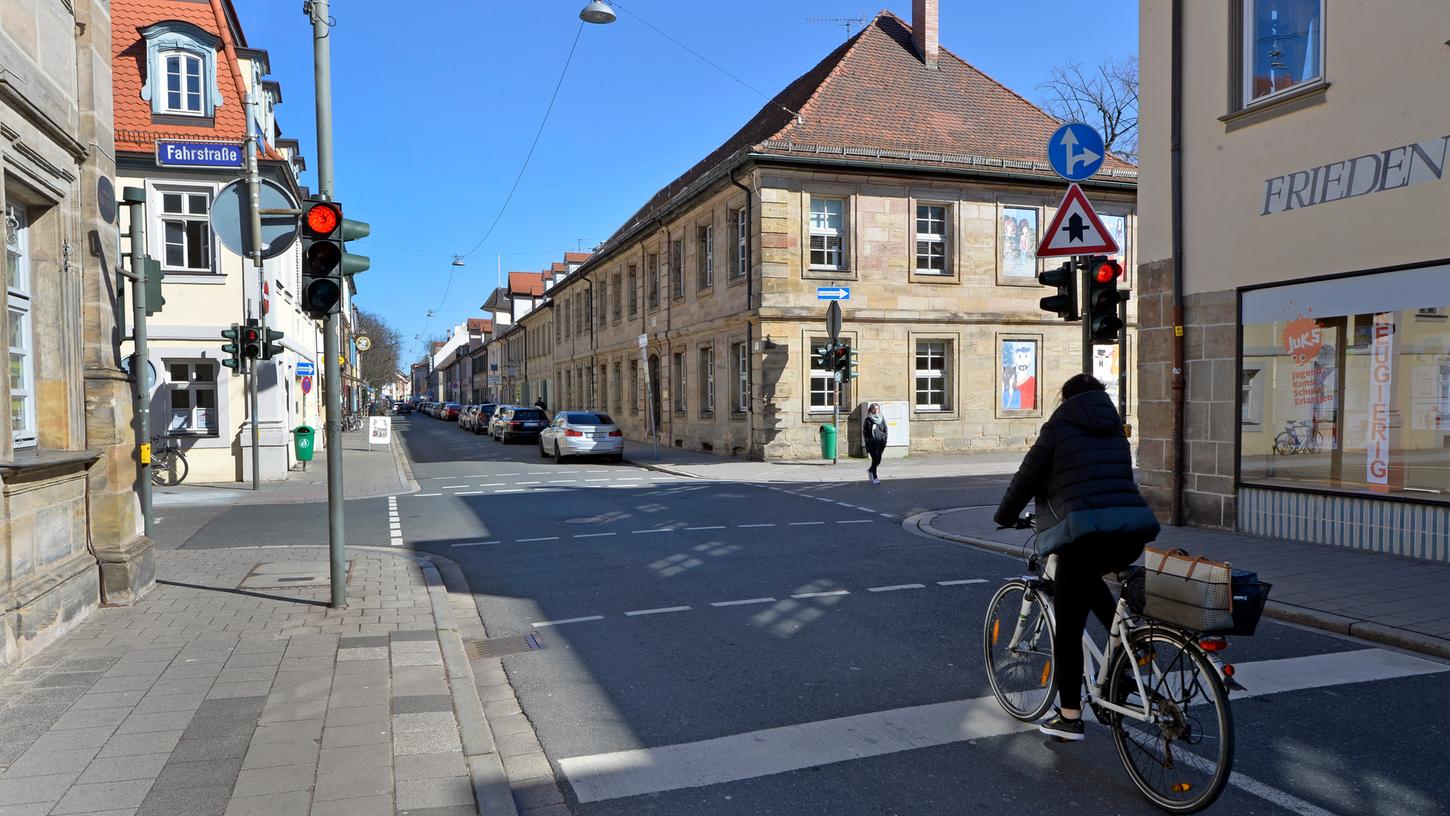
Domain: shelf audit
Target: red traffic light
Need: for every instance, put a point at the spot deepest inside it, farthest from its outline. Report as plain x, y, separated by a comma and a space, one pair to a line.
252, 335
322, 219
1107, 271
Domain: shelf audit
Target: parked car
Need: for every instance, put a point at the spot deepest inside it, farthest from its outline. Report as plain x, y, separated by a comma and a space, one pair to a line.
468, 418
582, 433
519, 423
402, 408
484, 417
449, 411
492, 428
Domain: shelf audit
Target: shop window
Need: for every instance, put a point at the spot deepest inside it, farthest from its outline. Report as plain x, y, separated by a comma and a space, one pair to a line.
1345, 384
1282, 48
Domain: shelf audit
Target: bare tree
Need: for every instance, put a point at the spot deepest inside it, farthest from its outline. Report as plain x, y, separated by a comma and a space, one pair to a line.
379, 363
1105, 96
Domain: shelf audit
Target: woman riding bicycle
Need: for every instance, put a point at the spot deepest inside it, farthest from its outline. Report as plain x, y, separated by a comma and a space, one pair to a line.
1089, 514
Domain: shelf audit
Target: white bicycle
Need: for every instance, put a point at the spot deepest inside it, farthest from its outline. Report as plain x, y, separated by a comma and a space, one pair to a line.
1164, 697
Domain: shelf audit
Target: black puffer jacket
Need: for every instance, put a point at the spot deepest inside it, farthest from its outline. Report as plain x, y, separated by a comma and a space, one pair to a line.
1080, 471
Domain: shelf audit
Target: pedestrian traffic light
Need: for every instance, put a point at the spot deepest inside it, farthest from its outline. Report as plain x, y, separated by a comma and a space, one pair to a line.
1103, 298
325, 260
271, 343
252, 343
233, 349
1064, 303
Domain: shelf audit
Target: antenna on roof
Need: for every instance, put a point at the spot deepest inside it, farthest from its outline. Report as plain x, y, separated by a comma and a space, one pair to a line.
848, 22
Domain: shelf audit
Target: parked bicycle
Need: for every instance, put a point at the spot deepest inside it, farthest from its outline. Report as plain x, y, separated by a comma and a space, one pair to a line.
1298, 436
1157, 687
352, 422
168, 463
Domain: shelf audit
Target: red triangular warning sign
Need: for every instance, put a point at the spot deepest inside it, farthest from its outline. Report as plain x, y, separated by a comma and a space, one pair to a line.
1076, 229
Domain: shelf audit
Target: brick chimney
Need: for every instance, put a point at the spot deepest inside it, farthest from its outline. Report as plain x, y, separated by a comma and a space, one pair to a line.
924, 30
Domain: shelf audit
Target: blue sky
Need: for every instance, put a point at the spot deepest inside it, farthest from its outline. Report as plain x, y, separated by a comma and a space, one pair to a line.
436, 103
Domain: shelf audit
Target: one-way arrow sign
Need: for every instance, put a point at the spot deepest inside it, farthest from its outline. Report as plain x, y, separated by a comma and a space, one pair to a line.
1076, 229
832, 293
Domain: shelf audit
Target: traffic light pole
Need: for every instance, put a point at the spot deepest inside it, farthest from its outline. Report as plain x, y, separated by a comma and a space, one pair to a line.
1081, 262
135, 198
332, 384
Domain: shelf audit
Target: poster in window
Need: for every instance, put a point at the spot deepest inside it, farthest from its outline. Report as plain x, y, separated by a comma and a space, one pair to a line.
1017, 242
1105, 368
1118, 228
1018, 388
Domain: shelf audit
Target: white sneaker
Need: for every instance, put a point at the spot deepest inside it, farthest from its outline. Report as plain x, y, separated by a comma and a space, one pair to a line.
875, 480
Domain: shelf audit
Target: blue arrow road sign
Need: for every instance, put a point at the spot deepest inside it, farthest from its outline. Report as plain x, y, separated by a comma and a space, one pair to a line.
305, 368
833, 293
1075, 151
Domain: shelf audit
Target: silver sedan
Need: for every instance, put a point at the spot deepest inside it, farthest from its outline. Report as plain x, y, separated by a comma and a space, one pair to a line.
582, 433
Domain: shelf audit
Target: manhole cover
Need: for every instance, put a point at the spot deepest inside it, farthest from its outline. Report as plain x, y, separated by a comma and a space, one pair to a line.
589, 520
499, 647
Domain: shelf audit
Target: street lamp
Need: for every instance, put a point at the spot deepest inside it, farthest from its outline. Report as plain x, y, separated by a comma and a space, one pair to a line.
597, 12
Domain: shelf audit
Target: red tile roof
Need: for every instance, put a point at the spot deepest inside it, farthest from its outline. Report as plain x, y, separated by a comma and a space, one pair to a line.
134, 129
576, 257
558, 267
480, 325
873, 99
526, 283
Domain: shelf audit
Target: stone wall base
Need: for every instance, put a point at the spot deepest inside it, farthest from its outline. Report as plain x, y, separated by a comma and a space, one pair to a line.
52, 611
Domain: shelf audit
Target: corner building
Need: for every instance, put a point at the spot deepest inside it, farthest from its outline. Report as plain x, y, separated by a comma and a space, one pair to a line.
893, 168
1310, 270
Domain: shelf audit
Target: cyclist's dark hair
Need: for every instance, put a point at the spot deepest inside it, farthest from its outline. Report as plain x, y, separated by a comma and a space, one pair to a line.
1081, 384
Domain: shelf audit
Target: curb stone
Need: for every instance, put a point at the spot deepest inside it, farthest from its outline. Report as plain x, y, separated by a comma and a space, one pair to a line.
655, 466
1304, 616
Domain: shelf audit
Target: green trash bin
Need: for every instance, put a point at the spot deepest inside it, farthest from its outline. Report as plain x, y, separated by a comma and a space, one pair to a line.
302, 442
828, 441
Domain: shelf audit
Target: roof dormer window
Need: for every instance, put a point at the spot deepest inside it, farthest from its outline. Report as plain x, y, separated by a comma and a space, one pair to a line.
181, 70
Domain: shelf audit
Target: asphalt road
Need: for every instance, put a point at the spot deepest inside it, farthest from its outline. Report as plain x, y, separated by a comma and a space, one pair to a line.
724, 648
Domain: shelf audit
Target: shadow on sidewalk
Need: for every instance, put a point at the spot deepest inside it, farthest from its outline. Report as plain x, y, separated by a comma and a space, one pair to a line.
234, 591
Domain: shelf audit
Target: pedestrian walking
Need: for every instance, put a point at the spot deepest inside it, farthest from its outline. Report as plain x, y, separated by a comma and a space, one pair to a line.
539, 403
873, 438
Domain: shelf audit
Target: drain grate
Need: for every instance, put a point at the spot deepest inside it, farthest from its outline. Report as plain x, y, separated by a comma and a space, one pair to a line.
480, 648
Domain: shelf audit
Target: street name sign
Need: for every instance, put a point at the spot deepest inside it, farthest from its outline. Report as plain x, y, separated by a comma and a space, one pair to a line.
230, 218
1076, 229
1075, 151
174, 153
833, 293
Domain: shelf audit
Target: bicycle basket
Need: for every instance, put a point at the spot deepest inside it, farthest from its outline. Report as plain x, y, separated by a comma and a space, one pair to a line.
1187, 591
1249, 596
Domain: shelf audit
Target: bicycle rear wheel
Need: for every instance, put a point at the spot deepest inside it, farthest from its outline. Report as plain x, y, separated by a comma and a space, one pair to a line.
1017, 645
1181, 758
1285, 443
168, 467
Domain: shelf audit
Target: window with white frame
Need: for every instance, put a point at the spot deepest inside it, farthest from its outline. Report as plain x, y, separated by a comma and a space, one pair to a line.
930, 373
191, 391
828, 233
22, 360
707, 256
707, 380
741, 261
931, 239
1283, 46
186, 229
740, 396
677, 382
633, 279
823, 379
185, 78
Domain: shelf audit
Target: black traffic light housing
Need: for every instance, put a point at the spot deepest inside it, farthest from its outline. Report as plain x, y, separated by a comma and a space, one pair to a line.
252, 340
271, 345
1064, 303
828, 356
843, 360
233, 349
325, 259
1103, 299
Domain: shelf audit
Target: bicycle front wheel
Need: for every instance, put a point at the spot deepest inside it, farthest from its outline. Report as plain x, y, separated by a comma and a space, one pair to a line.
1017, 645
1285, 443
1182, 756
169, 469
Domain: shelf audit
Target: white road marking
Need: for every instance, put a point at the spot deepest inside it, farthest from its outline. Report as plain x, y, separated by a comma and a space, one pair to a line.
523, 483
543, 472
747, 526
541, 538
451, 487
712, 527
887, 515
744, 602
512, 490
644, 532
823, 594
473, 544
895, 587
596, 480
601, 777
424, 495
805, 523
630, 479
660, 611
470, 493
562, 481
962, 581
594, 535
856, 521
567, 620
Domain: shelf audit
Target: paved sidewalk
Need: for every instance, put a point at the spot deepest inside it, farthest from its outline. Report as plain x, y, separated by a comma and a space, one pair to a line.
368, 472
219, 695
1384, 598
917, 466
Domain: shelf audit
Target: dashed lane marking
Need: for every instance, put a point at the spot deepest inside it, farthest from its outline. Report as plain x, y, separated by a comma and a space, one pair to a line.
660, 611
744, 602
540, 538
647, 532
594, 535
895, 587
473, 544
856, 521
805, 523
541, 624
962, 582
711, 527
470, 493
746, 526
451, 487
826, 594
425, 495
